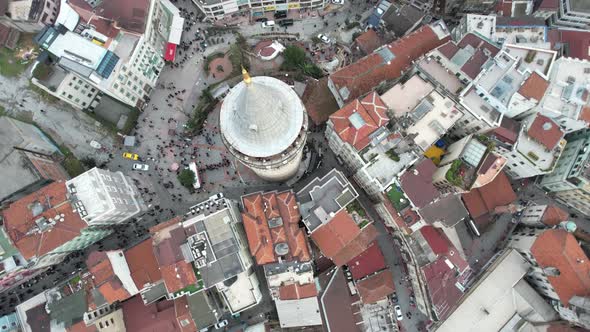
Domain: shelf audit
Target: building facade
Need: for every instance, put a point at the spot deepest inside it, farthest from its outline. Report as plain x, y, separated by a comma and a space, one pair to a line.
220, 9
572, 14
569, 183
103, 197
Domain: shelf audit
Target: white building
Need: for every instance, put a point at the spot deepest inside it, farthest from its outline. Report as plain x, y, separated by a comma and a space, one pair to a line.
537, 148
358, 135
122, 59
500, 300
567, 100
263, 124
569, 183
572, 14
105, 197
559, 269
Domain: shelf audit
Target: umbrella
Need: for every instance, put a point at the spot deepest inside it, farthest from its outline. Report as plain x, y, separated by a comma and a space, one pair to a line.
174, 167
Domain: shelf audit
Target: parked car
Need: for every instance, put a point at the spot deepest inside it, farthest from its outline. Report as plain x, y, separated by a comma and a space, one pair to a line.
286, 22
338, 2
324, 38
221, 324
261, 19
280, 14
268, 24
398, 312
141, 167
129, 155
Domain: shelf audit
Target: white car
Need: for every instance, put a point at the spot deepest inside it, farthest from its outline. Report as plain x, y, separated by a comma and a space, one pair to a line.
324, 38
141, 167
398, 312
338, 2
268, 24
221, 324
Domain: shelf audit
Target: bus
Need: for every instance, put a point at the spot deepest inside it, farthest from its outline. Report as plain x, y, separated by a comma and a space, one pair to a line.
193, 167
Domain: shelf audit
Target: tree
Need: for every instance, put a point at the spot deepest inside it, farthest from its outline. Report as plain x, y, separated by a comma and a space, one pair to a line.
219, 68
187, 178
294, 57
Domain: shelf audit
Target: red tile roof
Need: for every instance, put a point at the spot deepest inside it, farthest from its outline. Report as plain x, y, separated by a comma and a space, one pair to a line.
142, 264
81, 327
363, 75
104, 277
369, 113
478, 43
183, 313
585, 114
417, 183
341, 239
258, 210
545, 131
482, 201
473, 66
437, 242
367, 262
507, 132
576, 43
296, 291
368, 41
534, 87
376, 287
553, 215
560, 249
48, 169
155, 317
129, 14
166, 239
448, 50
19, 221
440, 281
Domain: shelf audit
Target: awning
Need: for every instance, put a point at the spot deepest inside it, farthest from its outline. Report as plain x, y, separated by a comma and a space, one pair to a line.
170, 52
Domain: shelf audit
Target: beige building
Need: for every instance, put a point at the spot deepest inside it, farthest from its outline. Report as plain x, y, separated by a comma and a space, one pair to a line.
29, 16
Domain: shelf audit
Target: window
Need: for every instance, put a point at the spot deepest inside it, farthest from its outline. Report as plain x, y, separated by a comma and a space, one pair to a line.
84, 104
89, 95
77, 100
70, 96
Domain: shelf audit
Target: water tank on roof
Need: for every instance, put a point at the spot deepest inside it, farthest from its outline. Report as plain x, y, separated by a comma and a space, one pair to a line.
281, 249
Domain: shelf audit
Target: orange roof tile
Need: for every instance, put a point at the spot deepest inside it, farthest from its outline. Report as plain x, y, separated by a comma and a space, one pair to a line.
259, 209
360, 118
178, 276
560, 249
545, 131
142, 264
376, 287
81, 327
51, 200
585, 114
358, 245
296, 291
104, 277
113, 291
362, 76
534, 87
483, 200
553, 215
183, 313
368, 41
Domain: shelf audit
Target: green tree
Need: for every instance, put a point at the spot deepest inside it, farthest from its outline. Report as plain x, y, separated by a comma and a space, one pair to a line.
187, 178
294, 57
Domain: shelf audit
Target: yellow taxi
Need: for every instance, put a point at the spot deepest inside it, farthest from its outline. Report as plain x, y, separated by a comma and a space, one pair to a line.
132, 156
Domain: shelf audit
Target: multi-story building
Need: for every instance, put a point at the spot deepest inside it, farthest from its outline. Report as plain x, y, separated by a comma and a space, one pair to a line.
119, 53
559, 269
103, 197
29, 15
567, 100
499, 298
276, 241
358, 134
28, 159
532, 150
469, 6
467, 164
219, 9
387, 63
515, 8
43, 228
569, 183
572, 14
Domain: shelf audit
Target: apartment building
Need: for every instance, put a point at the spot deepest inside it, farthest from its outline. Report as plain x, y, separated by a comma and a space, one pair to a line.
90, 56
531, 150
569, 183
559, 269
219, 9
29, 16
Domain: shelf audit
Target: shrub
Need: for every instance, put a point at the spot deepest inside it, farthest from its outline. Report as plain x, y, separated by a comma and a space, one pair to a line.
186, 178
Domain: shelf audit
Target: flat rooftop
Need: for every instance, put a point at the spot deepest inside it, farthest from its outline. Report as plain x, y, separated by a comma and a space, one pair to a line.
437, 72
580, 6
478, 106
483, 24
566, 93
323, 197
222, 248
402, 98
501, 79
533, 59
78, 49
